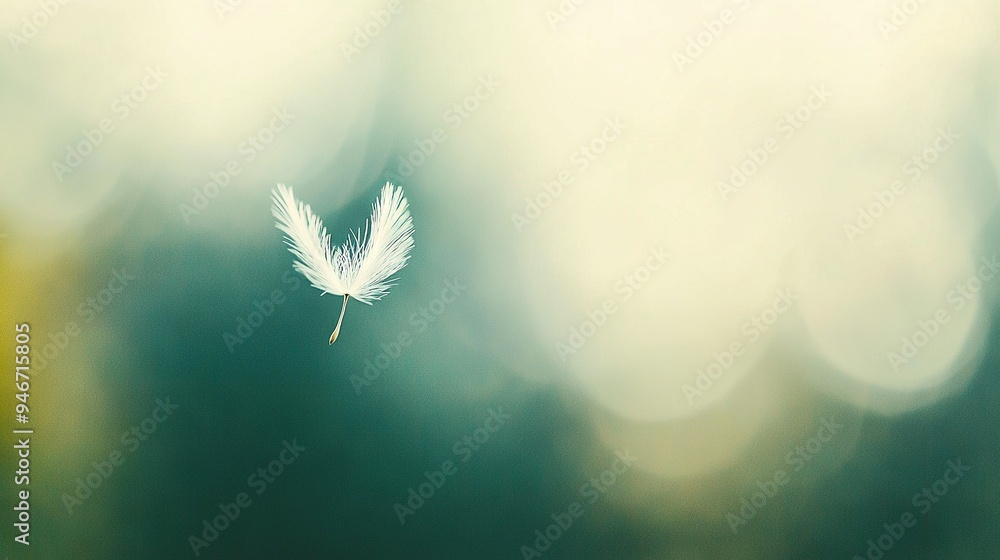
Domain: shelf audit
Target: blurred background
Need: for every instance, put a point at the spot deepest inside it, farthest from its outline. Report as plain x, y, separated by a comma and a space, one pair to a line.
691, 280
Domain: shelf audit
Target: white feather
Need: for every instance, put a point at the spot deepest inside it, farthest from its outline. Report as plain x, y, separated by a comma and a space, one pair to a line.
361, 267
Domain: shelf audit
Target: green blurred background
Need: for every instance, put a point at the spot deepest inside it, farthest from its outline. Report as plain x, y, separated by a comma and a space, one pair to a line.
142, 282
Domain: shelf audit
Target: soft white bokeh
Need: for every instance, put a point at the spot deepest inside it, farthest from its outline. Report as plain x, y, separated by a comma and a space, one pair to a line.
890, 97
220, 76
